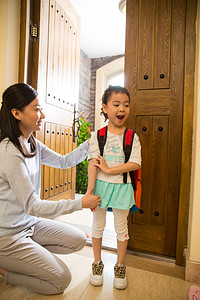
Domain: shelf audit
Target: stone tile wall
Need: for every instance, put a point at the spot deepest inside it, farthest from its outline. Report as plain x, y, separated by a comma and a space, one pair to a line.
84, 83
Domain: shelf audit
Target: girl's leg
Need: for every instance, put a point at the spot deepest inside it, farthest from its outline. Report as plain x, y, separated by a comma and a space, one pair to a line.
121, 251
99, 222
121, 228
96, 246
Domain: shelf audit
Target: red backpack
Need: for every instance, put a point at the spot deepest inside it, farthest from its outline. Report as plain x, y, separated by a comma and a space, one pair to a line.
127, 146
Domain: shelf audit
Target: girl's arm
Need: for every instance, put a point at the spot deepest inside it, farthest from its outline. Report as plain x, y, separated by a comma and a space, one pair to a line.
127, 167
92, 174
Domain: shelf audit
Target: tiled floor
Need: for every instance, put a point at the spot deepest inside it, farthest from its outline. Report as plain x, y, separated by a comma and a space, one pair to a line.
147, 280
148, 277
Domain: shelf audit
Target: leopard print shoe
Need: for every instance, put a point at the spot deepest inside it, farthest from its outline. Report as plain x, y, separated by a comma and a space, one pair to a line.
97, 273
120, 280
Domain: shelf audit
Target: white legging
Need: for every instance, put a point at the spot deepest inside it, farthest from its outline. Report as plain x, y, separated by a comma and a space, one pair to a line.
120, 223
27, 256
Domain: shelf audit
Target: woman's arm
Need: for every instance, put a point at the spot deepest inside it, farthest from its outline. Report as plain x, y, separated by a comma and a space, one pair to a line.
127, 167
56, 160
17, 176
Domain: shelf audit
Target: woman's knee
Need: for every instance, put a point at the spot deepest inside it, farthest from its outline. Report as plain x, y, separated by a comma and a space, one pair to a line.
63, 280
81, 241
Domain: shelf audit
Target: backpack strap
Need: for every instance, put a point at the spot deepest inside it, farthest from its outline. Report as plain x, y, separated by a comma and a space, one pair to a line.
101, 137
127, 146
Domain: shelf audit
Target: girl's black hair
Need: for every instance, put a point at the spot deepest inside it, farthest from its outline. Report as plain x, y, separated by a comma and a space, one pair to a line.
107, 94
17, 96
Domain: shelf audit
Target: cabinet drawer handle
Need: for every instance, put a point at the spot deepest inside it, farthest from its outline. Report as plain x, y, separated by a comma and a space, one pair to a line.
144, 129
156, 213
160, 128
141, 211
162, 76
146, 77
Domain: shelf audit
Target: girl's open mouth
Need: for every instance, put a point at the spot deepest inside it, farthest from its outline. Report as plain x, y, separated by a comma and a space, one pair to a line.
120, 117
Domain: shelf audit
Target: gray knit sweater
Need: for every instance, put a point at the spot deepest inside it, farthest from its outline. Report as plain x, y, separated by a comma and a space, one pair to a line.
20, 179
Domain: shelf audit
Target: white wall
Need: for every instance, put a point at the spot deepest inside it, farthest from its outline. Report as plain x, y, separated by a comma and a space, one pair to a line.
194, 211
9, 35
102, 75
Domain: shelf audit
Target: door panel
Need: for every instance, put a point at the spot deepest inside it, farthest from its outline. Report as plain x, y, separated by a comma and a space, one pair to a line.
146, 44
157, 103
57, 84
162, 44
56, 181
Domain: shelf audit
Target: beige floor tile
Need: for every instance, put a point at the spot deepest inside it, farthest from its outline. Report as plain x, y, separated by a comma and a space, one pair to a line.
142, 284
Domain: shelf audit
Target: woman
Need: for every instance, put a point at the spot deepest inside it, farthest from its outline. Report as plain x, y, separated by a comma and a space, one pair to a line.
27, 240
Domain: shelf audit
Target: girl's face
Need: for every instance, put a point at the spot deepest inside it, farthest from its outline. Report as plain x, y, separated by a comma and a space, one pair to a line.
30, 119
117, 109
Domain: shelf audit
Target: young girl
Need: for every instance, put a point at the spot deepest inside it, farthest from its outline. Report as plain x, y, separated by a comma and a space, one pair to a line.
26, 241
105, 177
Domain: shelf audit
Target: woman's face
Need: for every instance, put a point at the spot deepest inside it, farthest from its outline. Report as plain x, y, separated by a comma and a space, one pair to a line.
30, 119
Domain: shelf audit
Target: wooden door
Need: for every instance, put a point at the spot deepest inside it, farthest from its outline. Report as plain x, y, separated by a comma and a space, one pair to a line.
154, 73
53, 69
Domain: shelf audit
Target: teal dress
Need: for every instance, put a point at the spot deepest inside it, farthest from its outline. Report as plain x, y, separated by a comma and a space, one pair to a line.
115, 195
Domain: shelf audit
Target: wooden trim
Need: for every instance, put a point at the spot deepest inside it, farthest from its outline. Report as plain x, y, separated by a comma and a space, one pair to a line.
22, 42
190, 46
74, 176
33, 56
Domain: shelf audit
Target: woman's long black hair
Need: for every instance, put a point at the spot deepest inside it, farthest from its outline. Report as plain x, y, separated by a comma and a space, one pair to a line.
17, 96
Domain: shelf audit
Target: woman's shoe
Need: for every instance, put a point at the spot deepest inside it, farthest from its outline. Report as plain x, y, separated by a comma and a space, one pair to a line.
97, 273
120, 280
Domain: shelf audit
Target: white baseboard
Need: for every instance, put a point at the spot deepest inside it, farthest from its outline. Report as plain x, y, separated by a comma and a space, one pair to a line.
192, 271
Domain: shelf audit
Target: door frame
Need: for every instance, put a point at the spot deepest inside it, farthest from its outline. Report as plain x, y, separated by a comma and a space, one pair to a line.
28, 54
187, 131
